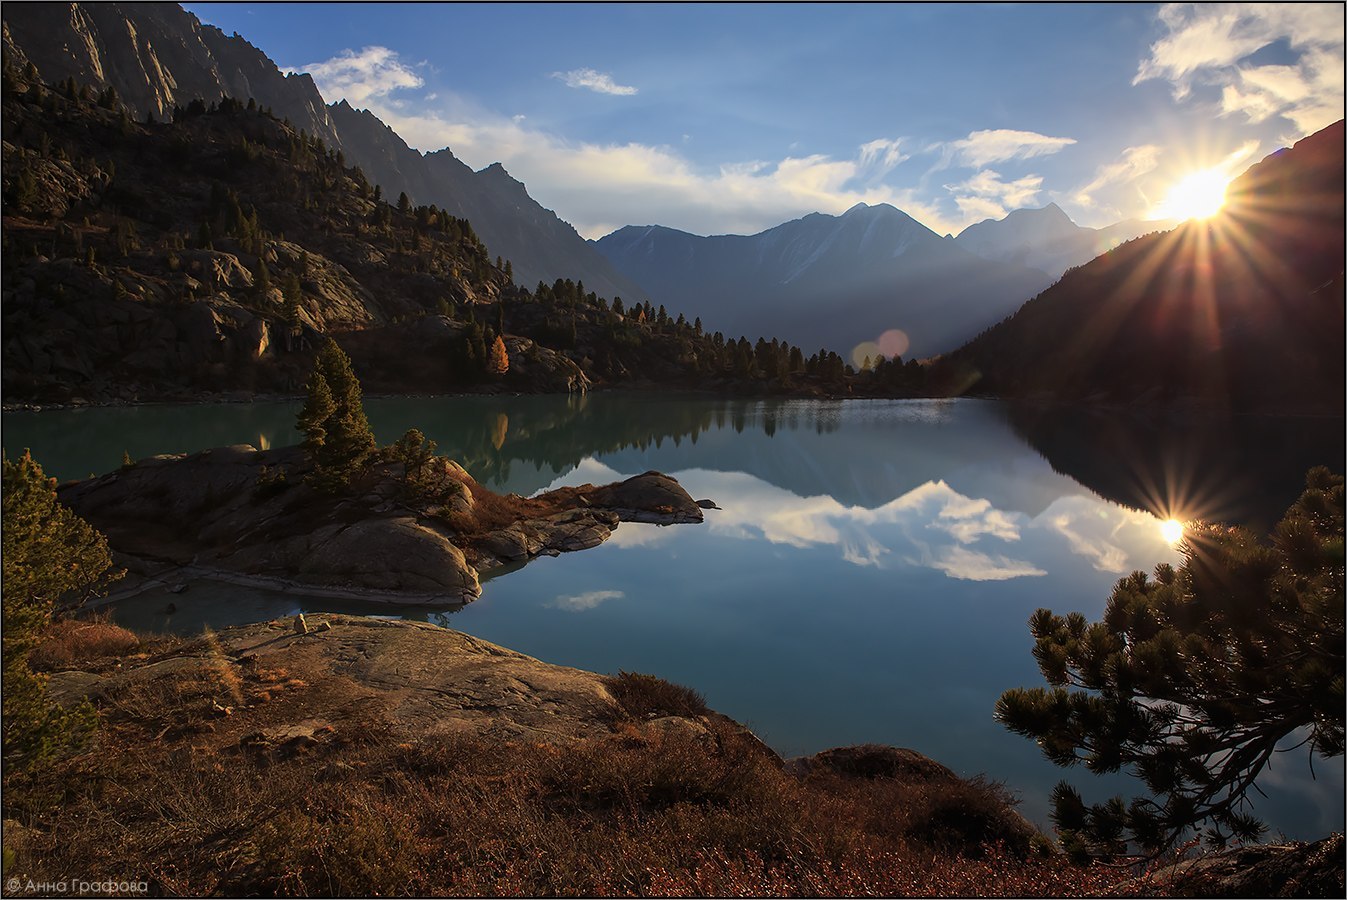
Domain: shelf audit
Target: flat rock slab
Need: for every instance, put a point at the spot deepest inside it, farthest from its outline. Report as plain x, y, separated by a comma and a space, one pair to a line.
419, 680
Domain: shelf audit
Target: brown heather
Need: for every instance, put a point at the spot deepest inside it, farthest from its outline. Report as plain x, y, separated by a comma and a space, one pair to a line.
644, 810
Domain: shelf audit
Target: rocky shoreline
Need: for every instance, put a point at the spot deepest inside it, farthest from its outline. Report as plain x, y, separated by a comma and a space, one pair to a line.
251, 517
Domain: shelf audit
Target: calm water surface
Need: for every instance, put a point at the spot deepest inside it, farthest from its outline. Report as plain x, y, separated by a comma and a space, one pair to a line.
869, 578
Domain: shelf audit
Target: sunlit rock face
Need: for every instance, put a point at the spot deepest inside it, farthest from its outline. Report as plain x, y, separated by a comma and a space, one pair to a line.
157, 56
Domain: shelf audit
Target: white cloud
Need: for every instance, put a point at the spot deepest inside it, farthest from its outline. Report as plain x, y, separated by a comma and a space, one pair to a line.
582, 602
967, 519
975, 209
983, 147
359, 77
600, 186
987, 196
1210, 44
598, 82
1131, 165
1114, 539
970, 565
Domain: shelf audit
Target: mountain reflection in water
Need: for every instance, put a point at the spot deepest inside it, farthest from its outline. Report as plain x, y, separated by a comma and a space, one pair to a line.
868, 579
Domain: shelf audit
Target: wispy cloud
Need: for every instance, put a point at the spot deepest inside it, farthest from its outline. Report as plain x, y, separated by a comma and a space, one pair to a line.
970, 565
585, 601
1130, 165
879, 157
361, 76
1210, 44
983, 147
592, 80
987, 196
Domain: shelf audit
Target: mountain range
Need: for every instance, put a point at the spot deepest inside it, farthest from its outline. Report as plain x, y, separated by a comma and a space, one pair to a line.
830, 280
158, 56
1047, 239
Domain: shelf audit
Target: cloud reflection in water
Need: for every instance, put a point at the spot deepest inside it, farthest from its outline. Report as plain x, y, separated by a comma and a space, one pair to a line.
932, 526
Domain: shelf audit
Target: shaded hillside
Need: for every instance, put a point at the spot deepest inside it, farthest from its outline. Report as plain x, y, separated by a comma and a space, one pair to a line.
158, 56
837, 281
208, 254
1241, 312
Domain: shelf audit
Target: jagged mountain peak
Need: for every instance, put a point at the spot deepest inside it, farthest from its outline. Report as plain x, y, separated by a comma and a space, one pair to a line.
158, 55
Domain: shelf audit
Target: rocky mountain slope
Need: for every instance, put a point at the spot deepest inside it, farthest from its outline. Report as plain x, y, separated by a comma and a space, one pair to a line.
1240, 312
158, 56
211, 254
1048, 240
830, 280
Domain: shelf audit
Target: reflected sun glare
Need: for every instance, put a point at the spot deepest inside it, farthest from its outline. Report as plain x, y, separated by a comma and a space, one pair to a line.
1196, 196
1172, 530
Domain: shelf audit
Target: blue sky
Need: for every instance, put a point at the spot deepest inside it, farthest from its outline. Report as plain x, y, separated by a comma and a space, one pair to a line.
732, 118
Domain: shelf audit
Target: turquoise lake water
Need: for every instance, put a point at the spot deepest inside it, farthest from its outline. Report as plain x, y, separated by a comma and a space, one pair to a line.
868, 579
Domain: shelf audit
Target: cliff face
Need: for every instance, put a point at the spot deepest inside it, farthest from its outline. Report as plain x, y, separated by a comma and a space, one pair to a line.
157, 56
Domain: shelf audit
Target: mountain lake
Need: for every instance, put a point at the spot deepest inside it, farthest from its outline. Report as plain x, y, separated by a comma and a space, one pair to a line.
868, 578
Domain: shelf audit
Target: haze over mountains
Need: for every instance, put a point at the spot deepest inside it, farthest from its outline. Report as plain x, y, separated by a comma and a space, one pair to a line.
828, 280
158, 56
1048, 240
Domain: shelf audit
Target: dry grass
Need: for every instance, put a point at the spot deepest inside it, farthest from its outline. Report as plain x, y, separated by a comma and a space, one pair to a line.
73, 643
176, 794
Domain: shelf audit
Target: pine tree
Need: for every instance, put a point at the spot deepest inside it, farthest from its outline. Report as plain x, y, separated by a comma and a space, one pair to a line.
1192, 679
415, 451
337, 435
50, 555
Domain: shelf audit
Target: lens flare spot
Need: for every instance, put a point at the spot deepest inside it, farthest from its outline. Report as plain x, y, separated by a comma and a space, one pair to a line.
893, 342
863, 351
1171, 530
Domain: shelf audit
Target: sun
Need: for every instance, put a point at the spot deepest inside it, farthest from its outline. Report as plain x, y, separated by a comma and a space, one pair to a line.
1196, 196
1171, 530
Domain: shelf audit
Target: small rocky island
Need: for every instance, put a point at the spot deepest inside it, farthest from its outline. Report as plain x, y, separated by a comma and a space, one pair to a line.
419, 532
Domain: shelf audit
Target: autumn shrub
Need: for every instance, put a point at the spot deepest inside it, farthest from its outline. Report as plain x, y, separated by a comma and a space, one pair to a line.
646, 696
71, 643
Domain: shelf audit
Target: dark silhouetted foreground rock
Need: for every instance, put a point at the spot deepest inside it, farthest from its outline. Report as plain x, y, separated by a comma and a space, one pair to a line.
1298, 869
